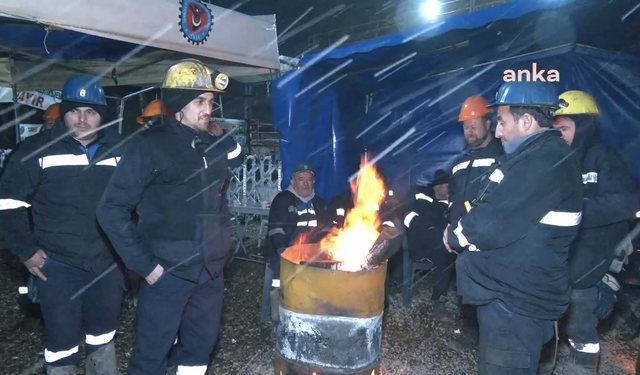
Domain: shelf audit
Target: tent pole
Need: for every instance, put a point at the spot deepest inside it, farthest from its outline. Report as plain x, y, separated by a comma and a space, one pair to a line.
122, 103
248, 114
15, 112
120, 115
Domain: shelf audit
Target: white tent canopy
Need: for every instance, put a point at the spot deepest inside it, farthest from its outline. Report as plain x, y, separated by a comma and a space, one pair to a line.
244, 47
144, 71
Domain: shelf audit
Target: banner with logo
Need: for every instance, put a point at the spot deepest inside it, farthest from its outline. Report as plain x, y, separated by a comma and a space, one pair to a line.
38, 99
27, 130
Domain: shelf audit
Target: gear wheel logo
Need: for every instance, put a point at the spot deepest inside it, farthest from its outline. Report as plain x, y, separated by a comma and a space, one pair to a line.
196, 21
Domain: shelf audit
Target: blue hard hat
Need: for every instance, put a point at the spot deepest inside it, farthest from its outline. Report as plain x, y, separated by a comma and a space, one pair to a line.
527, 94
302, 166
83, 89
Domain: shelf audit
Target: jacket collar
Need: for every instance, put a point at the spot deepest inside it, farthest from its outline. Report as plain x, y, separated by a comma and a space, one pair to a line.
517, 146
305, 200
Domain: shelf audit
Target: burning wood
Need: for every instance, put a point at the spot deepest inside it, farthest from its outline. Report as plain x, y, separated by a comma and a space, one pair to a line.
387, 244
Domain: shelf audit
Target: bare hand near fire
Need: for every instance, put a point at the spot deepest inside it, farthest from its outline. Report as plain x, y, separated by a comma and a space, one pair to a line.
445, 241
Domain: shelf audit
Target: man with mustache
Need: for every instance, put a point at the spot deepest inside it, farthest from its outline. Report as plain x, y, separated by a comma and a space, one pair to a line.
464, 185
173, 177
60, 174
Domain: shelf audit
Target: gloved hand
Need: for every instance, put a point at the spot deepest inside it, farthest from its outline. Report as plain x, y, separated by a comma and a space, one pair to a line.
607, 289
32, 288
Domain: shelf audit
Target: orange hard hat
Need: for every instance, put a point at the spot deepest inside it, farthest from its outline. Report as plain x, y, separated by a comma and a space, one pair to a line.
474, 107
153, 110
52, 113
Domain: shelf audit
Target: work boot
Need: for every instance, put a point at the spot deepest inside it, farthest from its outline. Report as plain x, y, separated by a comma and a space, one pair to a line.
275, 305
102, 361
582, 363
547, 363
440, 313
61, 370
463, 342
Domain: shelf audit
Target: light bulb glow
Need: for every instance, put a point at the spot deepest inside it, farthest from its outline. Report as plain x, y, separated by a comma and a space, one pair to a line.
430, 9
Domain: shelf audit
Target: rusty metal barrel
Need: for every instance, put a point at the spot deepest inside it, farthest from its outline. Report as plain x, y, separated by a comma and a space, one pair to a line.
330, 320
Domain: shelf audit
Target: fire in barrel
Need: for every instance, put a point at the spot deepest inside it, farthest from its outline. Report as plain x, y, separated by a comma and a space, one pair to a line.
333, 292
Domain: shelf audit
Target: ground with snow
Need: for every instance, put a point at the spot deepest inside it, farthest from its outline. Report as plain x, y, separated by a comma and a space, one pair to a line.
412, 344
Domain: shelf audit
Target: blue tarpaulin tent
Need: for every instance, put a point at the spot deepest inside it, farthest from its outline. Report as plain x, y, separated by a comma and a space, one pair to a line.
399, 96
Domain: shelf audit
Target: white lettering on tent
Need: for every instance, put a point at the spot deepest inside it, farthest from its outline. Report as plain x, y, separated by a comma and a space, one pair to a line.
533, 75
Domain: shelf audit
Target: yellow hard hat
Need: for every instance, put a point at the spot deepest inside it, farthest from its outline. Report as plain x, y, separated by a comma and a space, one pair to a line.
576, 102
192, 74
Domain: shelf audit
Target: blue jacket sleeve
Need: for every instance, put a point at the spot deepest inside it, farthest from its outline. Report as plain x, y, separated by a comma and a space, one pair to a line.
121, 197
617, 198
520, 201
18, 185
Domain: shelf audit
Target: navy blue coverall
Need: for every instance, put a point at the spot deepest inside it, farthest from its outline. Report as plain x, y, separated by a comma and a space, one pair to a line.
174, 178
516, 242
610, 201
465, 185
62, 182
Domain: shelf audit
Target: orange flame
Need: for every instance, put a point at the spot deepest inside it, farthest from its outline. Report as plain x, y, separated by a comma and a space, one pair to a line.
351, 243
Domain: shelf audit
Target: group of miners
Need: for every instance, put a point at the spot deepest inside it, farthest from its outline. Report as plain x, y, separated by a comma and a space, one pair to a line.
80, 204
533, 219
535, 227
539, 232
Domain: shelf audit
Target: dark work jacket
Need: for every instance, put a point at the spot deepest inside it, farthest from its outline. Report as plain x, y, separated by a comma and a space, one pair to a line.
338, 208
425, 221
62, 182
464, 184
293, 220
610, 201
174, 181
516, 239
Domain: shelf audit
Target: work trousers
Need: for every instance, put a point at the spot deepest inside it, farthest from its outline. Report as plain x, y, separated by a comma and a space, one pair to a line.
510, 343
173, 307
428, 245
71, 294
582, 322
443, 270
470, 326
